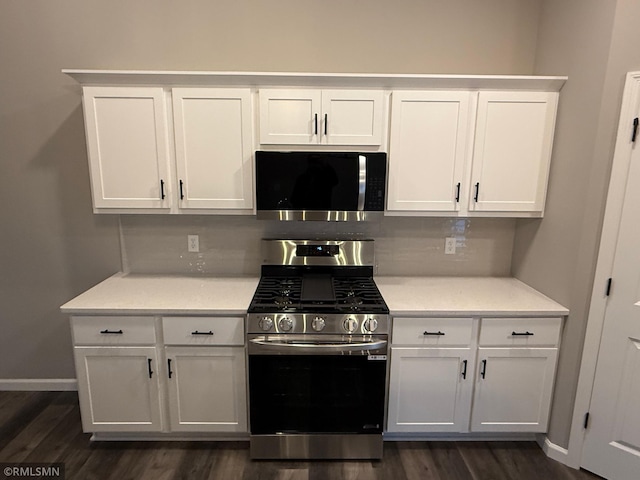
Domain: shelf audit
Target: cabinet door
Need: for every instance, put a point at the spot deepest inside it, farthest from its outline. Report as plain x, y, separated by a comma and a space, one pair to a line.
127, 140
514, 135
430, 389
118, 389
352, 117
513, 389
429, 134
207, 389
290, 116
214, 147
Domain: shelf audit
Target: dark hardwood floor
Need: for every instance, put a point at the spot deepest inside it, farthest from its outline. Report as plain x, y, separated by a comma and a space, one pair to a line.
45, 427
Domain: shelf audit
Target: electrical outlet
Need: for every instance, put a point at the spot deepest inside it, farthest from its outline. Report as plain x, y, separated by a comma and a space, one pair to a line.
450, 245
193, 243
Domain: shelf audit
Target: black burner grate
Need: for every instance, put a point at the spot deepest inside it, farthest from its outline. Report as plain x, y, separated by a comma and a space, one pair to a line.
285, 294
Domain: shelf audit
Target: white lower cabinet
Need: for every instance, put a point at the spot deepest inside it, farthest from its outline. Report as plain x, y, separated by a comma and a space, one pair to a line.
430, 389
207, 389
449, 376
513, 389
118, 389
131, 381
515, 374
431, 378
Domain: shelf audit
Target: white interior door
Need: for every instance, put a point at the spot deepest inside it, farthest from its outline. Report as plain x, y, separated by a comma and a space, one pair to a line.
612, 441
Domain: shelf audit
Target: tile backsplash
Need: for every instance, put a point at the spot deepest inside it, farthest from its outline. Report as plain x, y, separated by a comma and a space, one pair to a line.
230, 245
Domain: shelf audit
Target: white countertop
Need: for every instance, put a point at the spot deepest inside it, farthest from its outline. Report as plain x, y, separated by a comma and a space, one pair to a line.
165, 294
408, 296
458, 296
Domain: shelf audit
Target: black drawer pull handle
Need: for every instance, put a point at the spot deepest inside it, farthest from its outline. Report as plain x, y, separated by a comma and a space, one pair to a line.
326, 121
111, 332
458, 193
520, 334
483, 372
475, 197
162, 195
202, 333
169, 365
150, 371
181, 190
464, 370
315, 121
439, 333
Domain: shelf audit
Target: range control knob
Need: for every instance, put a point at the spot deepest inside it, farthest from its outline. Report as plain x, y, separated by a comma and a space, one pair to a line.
350, 324
370, 324
285, 324
318, 324
265, 323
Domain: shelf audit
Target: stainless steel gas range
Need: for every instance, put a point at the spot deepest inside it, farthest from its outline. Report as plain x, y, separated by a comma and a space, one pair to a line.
317, 345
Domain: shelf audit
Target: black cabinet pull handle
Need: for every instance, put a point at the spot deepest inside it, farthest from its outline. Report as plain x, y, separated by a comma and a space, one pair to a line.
162, 189
464, 369
475, 197
458, 192
169, 366
149, 365
111, 332
484, 368
202, 333
181, 190
635, 129
433, 333
316, 124
525, 334
326, 121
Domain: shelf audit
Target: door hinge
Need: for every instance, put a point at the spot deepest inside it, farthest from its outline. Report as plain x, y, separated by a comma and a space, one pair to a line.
608, 290
635, 129
586, 420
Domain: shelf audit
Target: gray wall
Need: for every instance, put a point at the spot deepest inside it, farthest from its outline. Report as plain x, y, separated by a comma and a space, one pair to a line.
595, 43
51, 246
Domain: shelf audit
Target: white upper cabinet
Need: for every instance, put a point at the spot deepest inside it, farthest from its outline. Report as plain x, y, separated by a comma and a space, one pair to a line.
512, 150
429, 134
128, 144
131, 136
312, 116
214, 148
467, 153
184, 142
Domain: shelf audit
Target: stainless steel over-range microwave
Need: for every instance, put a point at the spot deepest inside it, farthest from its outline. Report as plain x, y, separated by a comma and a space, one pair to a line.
329, 186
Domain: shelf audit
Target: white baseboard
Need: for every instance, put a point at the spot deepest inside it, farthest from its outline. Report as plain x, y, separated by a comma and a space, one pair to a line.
552, 450
39, 384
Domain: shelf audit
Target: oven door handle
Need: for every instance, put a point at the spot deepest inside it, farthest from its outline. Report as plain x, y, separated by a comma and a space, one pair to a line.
336, 347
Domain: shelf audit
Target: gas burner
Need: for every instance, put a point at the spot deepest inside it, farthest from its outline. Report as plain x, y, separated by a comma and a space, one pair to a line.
282, 301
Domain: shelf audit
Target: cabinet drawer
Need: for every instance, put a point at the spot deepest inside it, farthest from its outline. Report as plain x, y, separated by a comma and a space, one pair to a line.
433, 332
203, 330
103, 330
520, 332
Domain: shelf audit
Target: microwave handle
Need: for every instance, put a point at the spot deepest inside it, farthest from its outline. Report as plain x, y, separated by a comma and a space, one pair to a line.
362, 181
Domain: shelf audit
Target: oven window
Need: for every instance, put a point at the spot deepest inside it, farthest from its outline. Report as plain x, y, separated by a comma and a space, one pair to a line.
316, 394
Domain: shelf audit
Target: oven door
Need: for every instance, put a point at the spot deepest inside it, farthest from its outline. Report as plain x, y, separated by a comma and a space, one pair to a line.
324, 384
